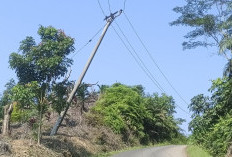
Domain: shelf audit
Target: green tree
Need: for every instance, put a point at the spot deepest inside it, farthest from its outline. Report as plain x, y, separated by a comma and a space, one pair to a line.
159, 123
122, 109
211, 123
102, 88
59, 94
5, 98
31, 97
211, 21
220, 136
44, 63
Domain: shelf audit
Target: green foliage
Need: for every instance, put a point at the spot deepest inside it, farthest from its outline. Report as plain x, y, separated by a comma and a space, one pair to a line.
26, 95
82, 92
45, 61
211, 124
220, 137
228, 69
159, 123
210, 19
211, 23
59, 95
28, 101
5, 99
129, 112
38, 67
122, 109
102, 88
20, 115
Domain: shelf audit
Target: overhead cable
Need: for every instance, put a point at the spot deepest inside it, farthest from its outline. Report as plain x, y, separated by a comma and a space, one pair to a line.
137, 61
153, 60
147, 70
89, 41
99, 4
141, 61
109, 6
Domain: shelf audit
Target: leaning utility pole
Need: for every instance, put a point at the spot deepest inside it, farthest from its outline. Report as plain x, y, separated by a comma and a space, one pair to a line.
109, 20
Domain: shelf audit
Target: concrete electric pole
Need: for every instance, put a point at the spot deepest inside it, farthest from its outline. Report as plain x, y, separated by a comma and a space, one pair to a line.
109, 20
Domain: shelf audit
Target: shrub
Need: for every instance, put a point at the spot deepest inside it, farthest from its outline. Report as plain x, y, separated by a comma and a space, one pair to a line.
220, 136
122, 109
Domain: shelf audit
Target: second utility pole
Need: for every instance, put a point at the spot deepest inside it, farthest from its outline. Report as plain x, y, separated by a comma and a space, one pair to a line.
109, 20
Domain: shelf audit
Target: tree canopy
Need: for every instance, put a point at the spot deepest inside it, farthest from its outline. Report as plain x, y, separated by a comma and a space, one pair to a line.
211, 124
211, 21
38, 67
46, 61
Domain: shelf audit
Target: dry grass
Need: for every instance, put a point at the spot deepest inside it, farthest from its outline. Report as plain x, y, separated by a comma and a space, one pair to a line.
27, 148
75, 138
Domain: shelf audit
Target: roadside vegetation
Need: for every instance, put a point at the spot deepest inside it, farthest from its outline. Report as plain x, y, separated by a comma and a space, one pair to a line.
102, 118
195, 151
211, 23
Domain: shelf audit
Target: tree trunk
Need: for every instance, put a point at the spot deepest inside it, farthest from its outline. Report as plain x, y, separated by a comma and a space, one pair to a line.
40, 125
6, 121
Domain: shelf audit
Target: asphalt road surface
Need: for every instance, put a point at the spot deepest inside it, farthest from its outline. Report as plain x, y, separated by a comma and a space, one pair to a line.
163, 151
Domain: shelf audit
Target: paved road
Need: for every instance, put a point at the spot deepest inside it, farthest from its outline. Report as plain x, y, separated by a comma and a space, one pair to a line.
163, 151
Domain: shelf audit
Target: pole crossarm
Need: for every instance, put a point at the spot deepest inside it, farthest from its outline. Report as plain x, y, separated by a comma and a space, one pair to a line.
112, 16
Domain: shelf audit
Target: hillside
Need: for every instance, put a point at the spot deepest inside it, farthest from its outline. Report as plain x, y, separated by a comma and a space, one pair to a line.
90, 133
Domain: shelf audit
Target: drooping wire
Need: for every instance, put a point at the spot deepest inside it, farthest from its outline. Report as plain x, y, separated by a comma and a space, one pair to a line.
153, 60
99, 4
109, 6
160, 87
89, 41
136, 60
141, 61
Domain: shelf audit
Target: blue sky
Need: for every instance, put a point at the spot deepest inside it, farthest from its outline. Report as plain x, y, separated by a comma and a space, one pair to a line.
189, 71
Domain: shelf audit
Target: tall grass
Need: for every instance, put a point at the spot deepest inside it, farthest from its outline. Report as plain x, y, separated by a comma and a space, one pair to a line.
196, 151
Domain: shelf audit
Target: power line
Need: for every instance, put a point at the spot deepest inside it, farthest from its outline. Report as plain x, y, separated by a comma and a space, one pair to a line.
148, 73
141, 61
139, 64
99, 4
153, 60
157, 84
109, 6
89, 41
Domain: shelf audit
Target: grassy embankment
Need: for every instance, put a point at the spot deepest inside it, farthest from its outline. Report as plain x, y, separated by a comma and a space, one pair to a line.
195, 151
